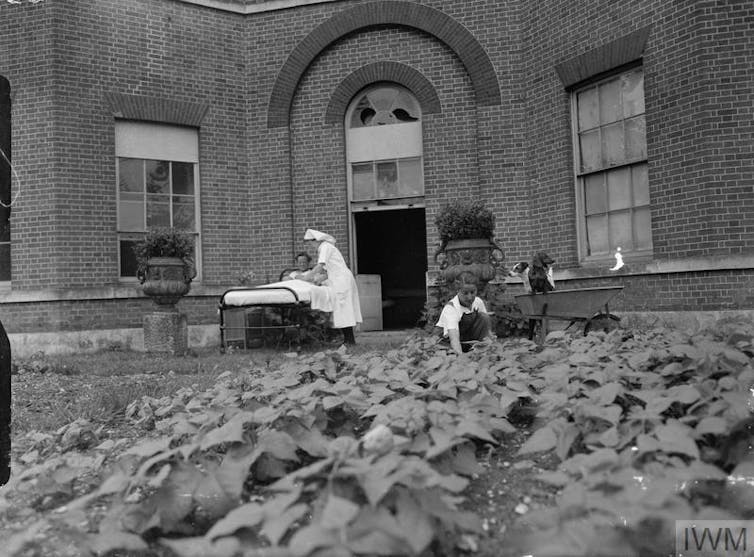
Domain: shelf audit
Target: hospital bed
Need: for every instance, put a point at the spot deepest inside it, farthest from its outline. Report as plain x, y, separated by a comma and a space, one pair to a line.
253, 316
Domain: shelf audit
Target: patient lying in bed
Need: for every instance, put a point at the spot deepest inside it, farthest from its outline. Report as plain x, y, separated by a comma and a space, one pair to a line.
304, 271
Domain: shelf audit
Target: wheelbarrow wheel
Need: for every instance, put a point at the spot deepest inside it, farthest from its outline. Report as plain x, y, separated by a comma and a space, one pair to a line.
602, 322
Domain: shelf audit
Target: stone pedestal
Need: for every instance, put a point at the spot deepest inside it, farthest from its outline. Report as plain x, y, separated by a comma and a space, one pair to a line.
166, 331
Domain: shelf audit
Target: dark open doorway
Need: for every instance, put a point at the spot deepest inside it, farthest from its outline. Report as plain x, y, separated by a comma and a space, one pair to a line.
393, 244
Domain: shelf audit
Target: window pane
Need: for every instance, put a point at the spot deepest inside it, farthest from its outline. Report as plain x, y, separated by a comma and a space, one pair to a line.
633, 93
591, 157
183, 213
594, 194
589, 115
387, 179
4, 262
406, 103
131, 212
382, 98
610, 104
613, 145
362, 114
411, 177
183, 178
636, 142
130, 174
158, 176
643, 228
158, 210
620, 230
4, 224
596, 234
619, 188
641, 184
127, 258
362, 179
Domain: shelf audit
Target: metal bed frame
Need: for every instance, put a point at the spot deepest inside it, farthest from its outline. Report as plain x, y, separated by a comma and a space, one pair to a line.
288, 326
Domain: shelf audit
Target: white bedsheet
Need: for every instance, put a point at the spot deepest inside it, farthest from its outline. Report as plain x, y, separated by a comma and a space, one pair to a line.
319, 297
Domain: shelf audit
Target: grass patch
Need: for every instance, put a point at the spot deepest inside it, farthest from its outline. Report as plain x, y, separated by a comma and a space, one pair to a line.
50, 391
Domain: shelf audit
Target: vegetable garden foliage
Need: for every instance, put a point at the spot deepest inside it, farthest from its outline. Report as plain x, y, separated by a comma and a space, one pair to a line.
337, 455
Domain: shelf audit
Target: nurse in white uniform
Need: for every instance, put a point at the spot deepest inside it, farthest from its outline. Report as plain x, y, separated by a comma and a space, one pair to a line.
346, 309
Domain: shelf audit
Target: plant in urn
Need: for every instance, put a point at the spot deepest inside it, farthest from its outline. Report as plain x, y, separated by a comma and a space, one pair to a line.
466, 230
165, 270
165, 265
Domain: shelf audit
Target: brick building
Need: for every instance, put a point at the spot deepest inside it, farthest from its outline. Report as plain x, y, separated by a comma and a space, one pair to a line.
585, 125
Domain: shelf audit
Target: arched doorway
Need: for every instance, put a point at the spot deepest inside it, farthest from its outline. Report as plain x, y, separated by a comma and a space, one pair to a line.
384, 158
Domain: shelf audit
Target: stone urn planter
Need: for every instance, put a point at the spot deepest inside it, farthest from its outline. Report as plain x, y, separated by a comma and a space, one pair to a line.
481, 257
466, 230
166, 280
165, 270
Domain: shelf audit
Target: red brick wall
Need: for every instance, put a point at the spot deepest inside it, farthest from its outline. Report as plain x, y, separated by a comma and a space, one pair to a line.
261, 187
693, 291
26, 61
83, 315
699, 120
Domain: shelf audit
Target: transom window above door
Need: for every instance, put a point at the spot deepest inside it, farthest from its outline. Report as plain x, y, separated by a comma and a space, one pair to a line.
384, 105
384, 148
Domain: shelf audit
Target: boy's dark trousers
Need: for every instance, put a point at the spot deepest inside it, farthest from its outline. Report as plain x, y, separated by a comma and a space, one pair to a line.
4, 406
473, 326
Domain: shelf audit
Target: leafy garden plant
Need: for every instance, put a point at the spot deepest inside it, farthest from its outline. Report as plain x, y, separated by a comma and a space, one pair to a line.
358, 455
164, 242
464, 220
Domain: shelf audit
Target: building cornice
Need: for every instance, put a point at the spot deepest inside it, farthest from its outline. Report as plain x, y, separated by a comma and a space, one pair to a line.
245, 8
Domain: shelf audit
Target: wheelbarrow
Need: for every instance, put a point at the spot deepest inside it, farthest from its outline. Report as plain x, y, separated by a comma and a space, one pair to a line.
583, 304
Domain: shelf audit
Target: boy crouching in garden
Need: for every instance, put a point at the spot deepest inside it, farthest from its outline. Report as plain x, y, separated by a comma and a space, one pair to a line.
465, 317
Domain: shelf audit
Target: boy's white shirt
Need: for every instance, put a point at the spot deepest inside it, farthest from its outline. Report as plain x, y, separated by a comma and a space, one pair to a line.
453, 311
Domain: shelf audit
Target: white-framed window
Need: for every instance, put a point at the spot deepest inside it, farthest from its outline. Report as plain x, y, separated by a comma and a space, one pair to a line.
610, 161
158, 185
384, 147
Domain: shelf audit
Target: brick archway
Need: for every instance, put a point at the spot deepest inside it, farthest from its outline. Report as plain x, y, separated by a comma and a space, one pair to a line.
382, 71
383, 12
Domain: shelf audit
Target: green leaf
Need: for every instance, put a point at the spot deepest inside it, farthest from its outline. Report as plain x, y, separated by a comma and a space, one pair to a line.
151, 447
685, 394
330, 402
463, 460
230, 432
116, 541
311, 537
279, 444
211, 495
338, 512
555, 478
376, 532
174, 500
310, 440
567, 433
543, 439
415, 523
275, 527
201, 547
606, 394
712, 424
471, 428
675, 437
245, 516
